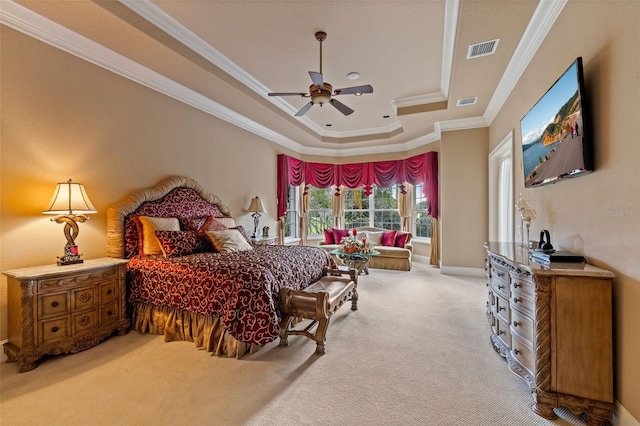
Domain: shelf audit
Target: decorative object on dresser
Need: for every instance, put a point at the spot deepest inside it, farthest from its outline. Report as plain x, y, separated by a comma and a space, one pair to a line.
264, 240
553, 324
54, 309
256, 207
71, 203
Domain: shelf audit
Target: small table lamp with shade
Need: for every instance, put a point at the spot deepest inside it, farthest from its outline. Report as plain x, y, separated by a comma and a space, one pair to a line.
71, 203
256, 207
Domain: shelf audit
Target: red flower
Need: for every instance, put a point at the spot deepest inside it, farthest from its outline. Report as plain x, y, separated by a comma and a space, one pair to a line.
352, 249
355, 232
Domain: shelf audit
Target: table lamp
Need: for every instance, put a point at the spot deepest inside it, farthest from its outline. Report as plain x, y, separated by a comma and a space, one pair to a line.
256, 207
71, 203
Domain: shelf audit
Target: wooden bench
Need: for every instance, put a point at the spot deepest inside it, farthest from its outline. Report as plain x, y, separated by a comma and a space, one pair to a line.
318, 302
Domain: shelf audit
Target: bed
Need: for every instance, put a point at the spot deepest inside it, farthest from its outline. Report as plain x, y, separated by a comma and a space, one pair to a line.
226, 303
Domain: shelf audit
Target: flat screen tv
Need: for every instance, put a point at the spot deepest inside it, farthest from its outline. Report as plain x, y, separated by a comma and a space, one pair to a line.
555, 132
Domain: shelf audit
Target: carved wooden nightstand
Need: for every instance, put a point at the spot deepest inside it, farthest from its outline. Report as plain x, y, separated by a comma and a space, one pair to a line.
268, 241
58, 309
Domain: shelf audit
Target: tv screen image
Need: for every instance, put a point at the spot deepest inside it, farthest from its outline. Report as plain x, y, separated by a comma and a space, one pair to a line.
554, 142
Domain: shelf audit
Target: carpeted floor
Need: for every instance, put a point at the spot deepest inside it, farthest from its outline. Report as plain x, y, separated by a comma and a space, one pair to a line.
416, 352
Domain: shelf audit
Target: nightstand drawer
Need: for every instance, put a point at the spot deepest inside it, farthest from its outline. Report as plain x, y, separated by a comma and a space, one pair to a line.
53, 330
107, 292
84, 321
53, 304
108, 313
84, 298
77, 280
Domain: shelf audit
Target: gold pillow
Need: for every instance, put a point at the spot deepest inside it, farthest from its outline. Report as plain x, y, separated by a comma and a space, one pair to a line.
228, 241
150, 243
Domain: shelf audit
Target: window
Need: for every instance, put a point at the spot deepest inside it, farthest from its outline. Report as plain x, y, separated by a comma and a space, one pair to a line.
356, 208
291, 218
320, 210
421, 219
380, 209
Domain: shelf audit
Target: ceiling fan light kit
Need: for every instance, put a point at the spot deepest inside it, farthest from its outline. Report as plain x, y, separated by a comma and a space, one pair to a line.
322, 93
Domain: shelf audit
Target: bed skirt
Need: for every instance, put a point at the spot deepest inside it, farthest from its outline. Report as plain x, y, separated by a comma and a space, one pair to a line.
205, 331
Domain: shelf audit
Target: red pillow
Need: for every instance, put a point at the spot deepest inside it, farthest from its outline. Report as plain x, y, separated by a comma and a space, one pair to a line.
401, 239
388, 238
179, 243
339, 234
328, 236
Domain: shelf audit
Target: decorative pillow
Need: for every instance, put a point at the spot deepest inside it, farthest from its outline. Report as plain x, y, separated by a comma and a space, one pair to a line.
339, 234
227, 221
179, 243
228, 241
150, 243
402, 238
193, 223
375, 238
388, 238
328, 236
212, 224
242, 232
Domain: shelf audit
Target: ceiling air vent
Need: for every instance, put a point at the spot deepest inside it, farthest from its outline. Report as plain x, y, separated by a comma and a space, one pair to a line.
467, 101
483, 49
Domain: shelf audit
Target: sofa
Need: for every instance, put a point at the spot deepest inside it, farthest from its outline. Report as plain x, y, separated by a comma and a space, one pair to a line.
396, 258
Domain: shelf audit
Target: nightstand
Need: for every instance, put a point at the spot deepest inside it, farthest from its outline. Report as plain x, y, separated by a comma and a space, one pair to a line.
59, 309
265, 241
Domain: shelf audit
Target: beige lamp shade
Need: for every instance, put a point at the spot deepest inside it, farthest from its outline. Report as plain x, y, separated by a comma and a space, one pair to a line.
256, 205
70, 198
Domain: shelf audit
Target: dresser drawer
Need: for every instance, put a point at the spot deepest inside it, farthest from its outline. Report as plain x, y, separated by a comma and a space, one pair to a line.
504, 333
53, 330
84, 321
523, 286
500, 280
108, 313
107, 292
53, 304
92, 278
523, 303
523, 353
84, 298
522, 325
502, 309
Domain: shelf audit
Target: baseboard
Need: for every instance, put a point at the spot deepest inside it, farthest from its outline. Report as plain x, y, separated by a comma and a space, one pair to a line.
420, 259
459, 270
622, 417
3, 357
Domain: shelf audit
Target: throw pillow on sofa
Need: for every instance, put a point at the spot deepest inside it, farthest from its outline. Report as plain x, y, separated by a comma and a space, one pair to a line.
401, 239
339, 234
389, 238
328, 236
374, 238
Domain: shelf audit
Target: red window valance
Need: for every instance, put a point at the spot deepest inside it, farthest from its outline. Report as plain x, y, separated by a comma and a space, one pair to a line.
422, 169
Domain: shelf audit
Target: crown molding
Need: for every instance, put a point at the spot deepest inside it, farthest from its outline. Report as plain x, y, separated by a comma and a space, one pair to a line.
541, 22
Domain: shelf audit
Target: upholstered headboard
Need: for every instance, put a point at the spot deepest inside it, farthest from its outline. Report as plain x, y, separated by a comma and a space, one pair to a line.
176, 196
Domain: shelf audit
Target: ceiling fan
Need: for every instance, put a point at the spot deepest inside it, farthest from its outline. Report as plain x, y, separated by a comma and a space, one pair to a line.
321, 92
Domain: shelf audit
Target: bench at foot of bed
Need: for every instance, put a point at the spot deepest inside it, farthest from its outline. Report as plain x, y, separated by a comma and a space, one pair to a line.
318, 302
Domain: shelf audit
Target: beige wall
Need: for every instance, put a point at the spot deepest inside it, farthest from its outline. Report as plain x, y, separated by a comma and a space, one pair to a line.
463, 199
597, 215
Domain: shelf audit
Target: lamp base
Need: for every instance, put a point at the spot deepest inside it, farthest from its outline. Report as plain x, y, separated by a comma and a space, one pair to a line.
71, 256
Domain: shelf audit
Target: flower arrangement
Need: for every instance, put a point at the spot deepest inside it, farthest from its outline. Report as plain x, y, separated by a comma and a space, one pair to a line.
353, 245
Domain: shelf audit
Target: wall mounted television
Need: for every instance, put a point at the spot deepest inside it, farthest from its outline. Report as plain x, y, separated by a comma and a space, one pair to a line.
555, 132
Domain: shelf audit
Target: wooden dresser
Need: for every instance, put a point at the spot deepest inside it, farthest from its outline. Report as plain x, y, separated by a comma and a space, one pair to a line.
56, 309
554, 327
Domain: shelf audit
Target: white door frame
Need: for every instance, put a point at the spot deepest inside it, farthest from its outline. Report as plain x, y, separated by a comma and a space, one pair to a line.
501, 222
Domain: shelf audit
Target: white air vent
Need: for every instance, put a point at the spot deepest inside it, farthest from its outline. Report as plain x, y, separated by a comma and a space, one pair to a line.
483, 49
467, 101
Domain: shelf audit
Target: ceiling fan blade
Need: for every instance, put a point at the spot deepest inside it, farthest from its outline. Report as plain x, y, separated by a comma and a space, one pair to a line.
317, 78
341, 107
287, 94
353, 90
304, 110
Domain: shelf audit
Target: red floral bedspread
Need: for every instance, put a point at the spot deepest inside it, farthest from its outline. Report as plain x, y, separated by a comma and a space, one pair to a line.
240, 288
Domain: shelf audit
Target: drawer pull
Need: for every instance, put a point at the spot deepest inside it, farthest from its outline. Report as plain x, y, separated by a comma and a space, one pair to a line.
54, 304
515, 351
109, 313
54, 329
500, 287
516, 285
499, 274
501, 331
516, 323
516, 300
109, 291
501, 308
